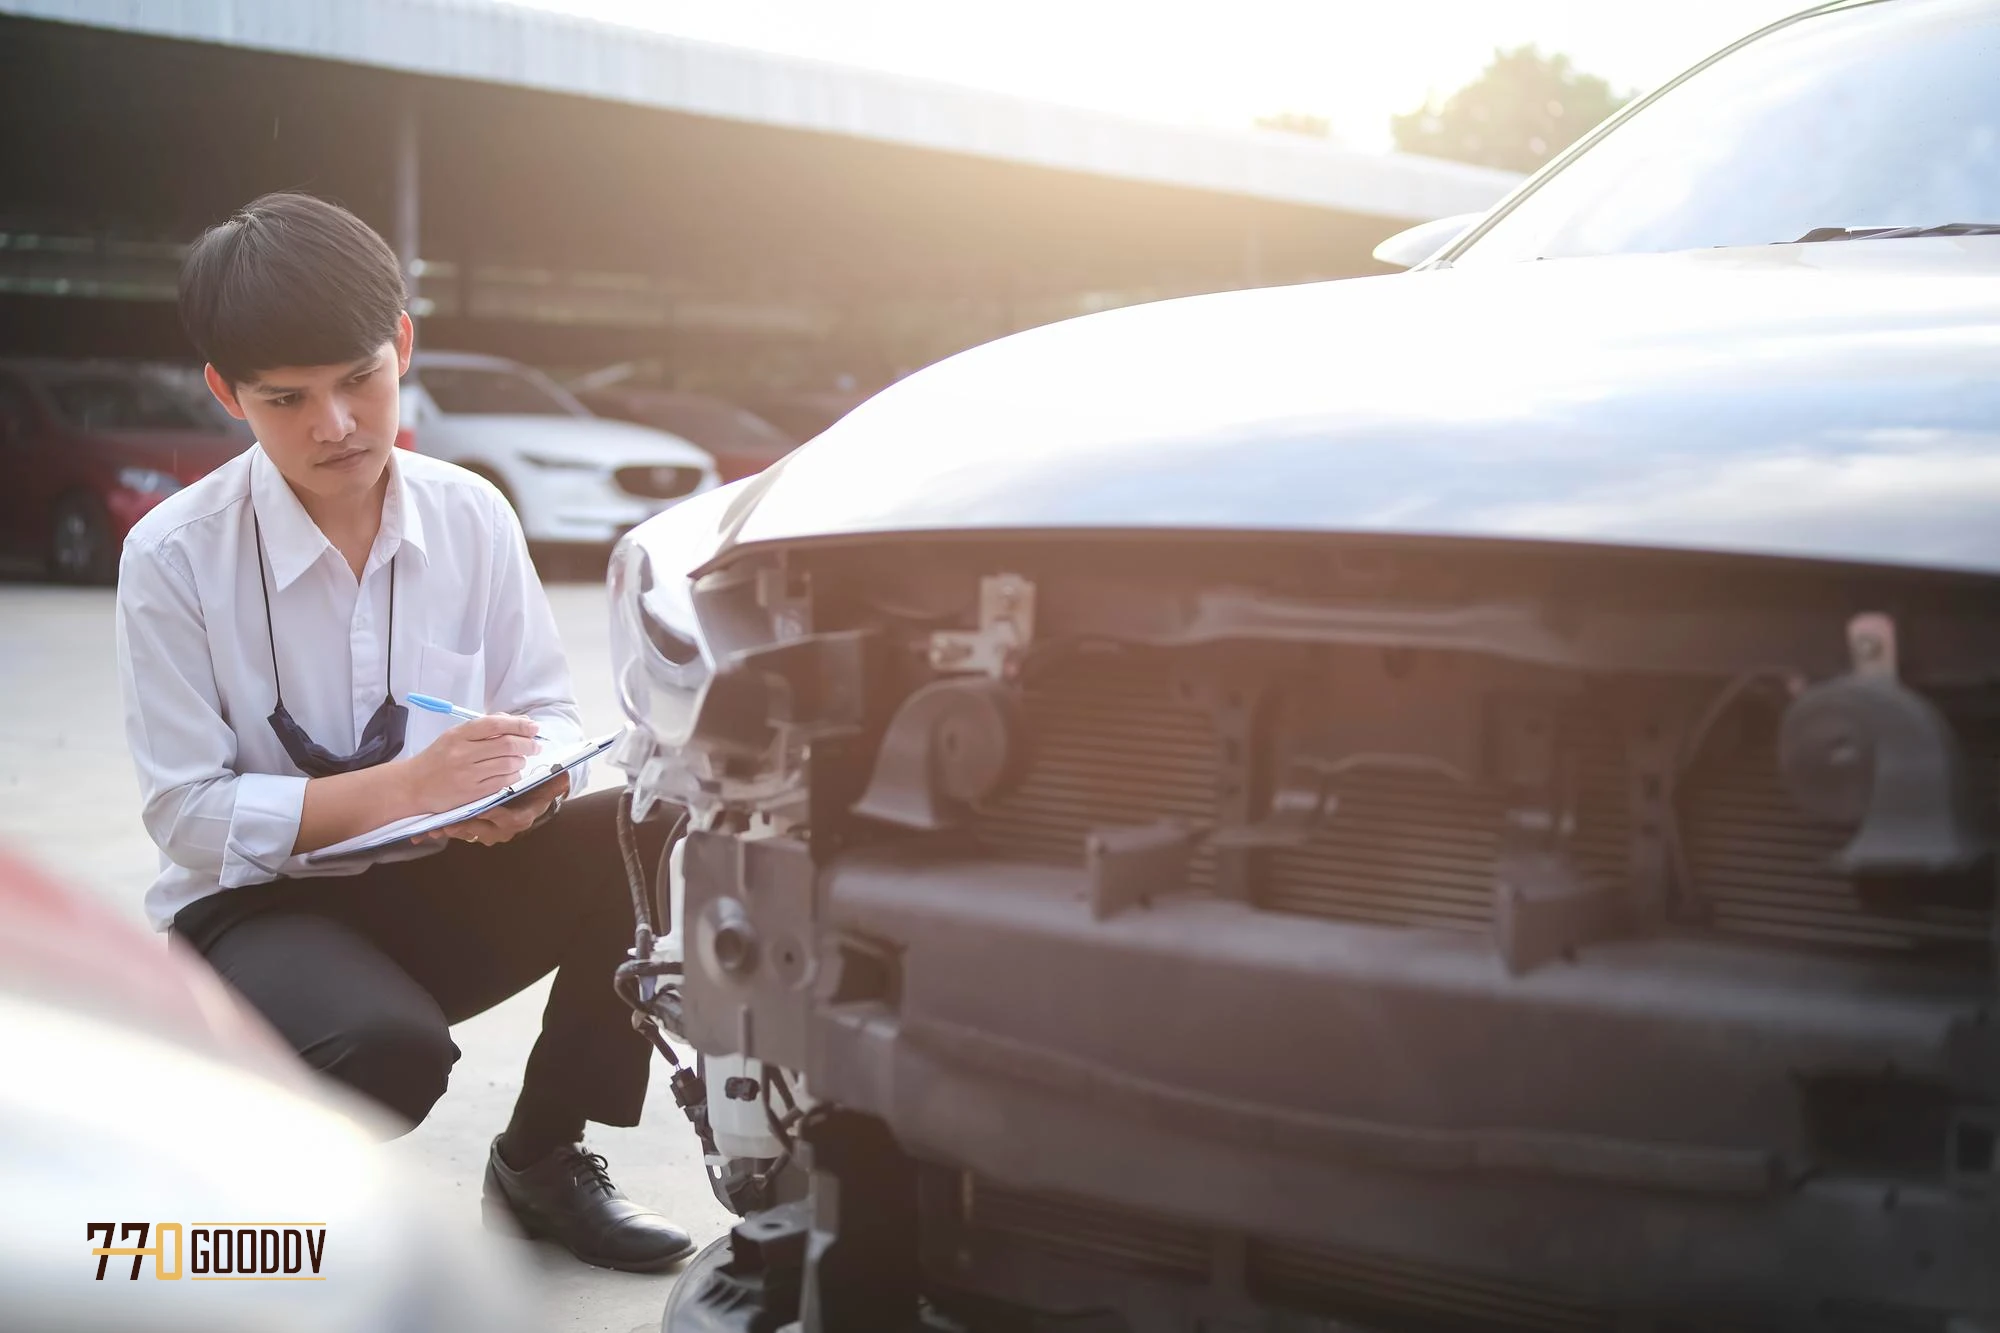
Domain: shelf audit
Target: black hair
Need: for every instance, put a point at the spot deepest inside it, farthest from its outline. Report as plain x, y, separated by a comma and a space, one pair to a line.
289, 281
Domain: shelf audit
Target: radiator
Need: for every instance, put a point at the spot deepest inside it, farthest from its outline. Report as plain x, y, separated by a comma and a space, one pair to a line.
1114, 744
1372, 1290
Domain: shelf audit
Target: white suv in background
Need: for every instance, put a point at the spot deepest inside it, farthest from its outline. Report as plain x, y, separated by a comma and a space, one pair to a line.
574, 478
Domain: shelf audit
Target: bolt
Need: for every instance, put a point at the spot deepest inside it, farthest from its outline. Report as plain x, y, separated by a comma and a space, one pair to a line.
735, 948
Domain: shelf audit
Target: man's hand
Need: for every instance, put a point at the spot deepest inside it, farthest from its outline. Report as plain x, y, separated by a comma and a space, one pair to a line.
505, 822
472, 760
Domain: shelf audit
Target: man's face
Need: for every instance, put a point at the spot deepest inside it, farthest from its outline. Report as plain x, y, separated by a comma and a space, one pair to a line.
328, 429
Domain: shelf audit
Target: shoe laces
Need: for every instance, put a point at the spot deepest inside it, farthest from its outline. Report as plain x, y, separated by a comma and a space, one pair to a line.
590, 1168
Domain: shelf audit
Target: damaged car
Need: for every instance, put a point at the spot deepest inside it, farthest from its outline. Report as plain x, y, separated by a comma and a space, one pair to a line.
1459, 800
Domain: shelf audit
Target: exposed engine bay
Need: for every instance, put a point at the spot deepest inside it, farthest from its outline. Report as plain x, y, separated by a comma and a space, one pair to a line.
1266, 933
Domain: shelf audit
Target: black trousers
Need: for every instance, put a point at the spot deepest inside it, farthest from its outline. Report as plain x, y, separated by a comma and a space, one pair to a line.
364, 974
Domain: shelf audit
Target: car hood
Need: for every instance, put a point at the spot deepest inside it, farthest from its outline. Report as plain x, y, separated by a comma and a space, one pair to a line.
613, 444
1835, 401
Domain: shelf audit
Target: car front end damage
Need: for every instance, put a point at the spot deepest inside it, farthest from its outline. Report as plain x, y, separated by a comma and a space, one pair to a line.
1267, 930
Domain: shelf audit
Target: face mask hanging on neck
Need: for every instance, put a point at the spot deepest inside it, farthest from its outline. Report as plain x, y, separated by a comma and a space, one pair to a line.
381, 739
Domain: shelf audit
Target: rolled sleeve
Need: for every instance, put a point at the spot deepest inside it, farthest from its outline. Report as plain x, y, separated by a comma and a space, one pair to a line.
202, 814
527, 672
263, 825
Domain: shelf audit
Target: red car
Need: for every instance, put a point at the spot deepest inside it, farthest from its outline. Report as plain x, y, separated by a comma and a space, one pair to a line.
88, 447
143, 1095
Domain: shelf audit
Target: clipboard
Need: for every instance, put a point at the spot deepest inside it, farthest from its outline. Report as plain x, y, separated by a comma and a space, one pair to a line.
540, 769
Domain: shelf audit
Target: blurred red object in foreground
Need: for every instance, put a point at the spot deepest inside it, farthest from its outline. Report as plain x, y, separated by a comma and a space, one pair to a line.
143, 1096
63, 948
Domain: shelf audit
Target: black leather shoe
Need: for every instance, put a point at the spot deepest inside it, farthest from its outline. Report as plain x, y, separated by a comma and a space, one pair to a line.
568, 1197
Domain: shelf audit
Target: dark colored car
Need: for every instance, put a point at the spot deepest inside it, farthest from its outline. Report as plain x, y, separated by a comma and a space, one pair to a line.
1462, 800
805, 414
741, 442
88, 447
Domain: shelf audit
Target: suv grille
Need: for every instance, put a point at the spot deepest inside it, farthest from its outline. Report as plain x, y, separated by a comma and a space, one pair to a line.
657, 483
1115, 745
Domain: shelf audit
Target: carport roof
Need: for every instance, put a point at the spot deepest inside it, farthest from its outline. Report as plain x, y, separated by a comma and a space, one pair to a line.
496, 42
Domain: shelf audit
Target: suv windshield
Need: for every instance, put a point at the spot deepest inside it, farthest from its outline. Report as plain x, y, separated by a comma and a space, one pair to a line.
716, 423
1881, 115
477, 392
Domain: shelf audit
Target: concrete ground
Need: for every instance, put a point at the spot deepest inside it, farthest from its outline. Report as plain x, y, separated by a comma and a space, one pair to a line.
68, 800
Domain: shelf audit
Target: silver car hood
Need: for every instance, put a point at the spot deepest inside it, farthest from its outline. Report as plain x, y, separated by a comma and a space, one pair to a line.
1835, 401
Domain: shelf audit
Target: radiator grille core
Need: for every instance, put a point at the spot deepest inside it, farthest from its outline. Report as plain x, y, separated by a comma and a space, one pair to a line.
1117, 744
1376, 1291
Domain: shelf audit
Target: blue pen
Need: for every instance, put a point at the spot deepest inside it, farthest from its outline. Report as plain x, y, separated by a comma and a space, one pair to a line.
433, 704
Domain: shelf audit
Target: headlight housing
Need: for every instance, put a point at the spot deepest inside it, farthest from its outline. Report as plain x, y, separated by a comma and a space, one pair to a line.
686, 656
148, 481
562, 464
662, 665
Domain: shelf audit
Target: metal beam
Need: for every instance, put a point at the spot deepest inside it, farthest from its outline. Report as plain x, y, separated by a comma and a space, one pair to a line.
522, 47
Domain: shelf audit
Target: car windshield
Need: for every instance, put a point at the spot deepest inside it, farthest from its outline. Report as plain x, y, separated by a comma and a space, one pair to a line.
121, 402
481, 392
1881, 115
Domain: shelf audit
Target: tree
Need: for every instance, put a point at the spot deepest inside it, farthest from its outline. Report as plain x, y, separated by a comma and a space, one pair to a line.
1521, 111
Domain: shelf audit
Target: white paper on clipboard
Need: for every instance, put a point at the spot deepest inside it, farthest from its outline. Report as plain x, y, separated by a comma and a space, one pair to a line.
542, 768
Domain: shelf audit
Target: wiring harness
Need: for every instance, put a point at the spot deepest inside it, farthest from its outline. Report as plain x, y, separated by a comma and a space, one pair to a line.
650, 986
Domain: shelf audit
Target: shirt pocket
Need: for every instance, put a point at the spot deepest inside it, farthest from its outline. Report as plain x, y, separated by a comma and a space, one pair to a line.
458, 678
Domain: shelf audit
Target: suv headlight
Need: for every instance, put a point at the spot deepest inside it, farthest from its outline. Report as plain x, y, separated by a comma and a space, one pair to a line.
684, 652
562, 464
662, 665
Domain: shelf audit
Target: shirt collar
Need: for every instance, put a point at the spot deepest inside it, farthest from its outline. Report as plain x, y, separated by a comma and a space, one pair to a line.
293, 543
402, 520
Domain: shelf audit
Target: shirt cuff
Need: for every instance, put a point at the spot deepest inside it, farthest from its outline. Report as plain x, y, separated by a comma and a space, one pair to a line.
263, 827
563, 733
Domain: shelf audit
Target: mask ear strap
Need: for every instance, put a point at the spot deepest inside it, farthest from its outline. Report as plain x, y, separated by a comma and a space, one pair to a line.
389, 654
264, 582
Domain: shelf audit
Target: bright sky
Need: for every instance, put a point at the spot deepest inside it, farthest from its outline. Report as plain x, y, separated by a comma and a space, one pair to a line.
1214, 62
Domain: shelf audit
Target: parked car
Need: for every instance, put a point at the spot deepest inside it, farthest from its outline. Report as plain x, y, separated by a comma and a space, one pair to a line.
741, 442
147, 1109
1449, 801
87, 447
804, 414
186, 378
575, 479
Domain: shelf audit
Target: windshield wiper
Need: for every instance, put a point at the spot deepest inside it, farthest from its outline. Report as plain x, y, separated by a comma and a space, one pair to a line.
1818, 234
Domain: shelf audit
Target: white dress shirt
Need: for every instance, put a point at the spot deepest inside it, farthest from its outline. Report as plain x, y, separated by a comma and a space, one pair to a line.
222, 799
